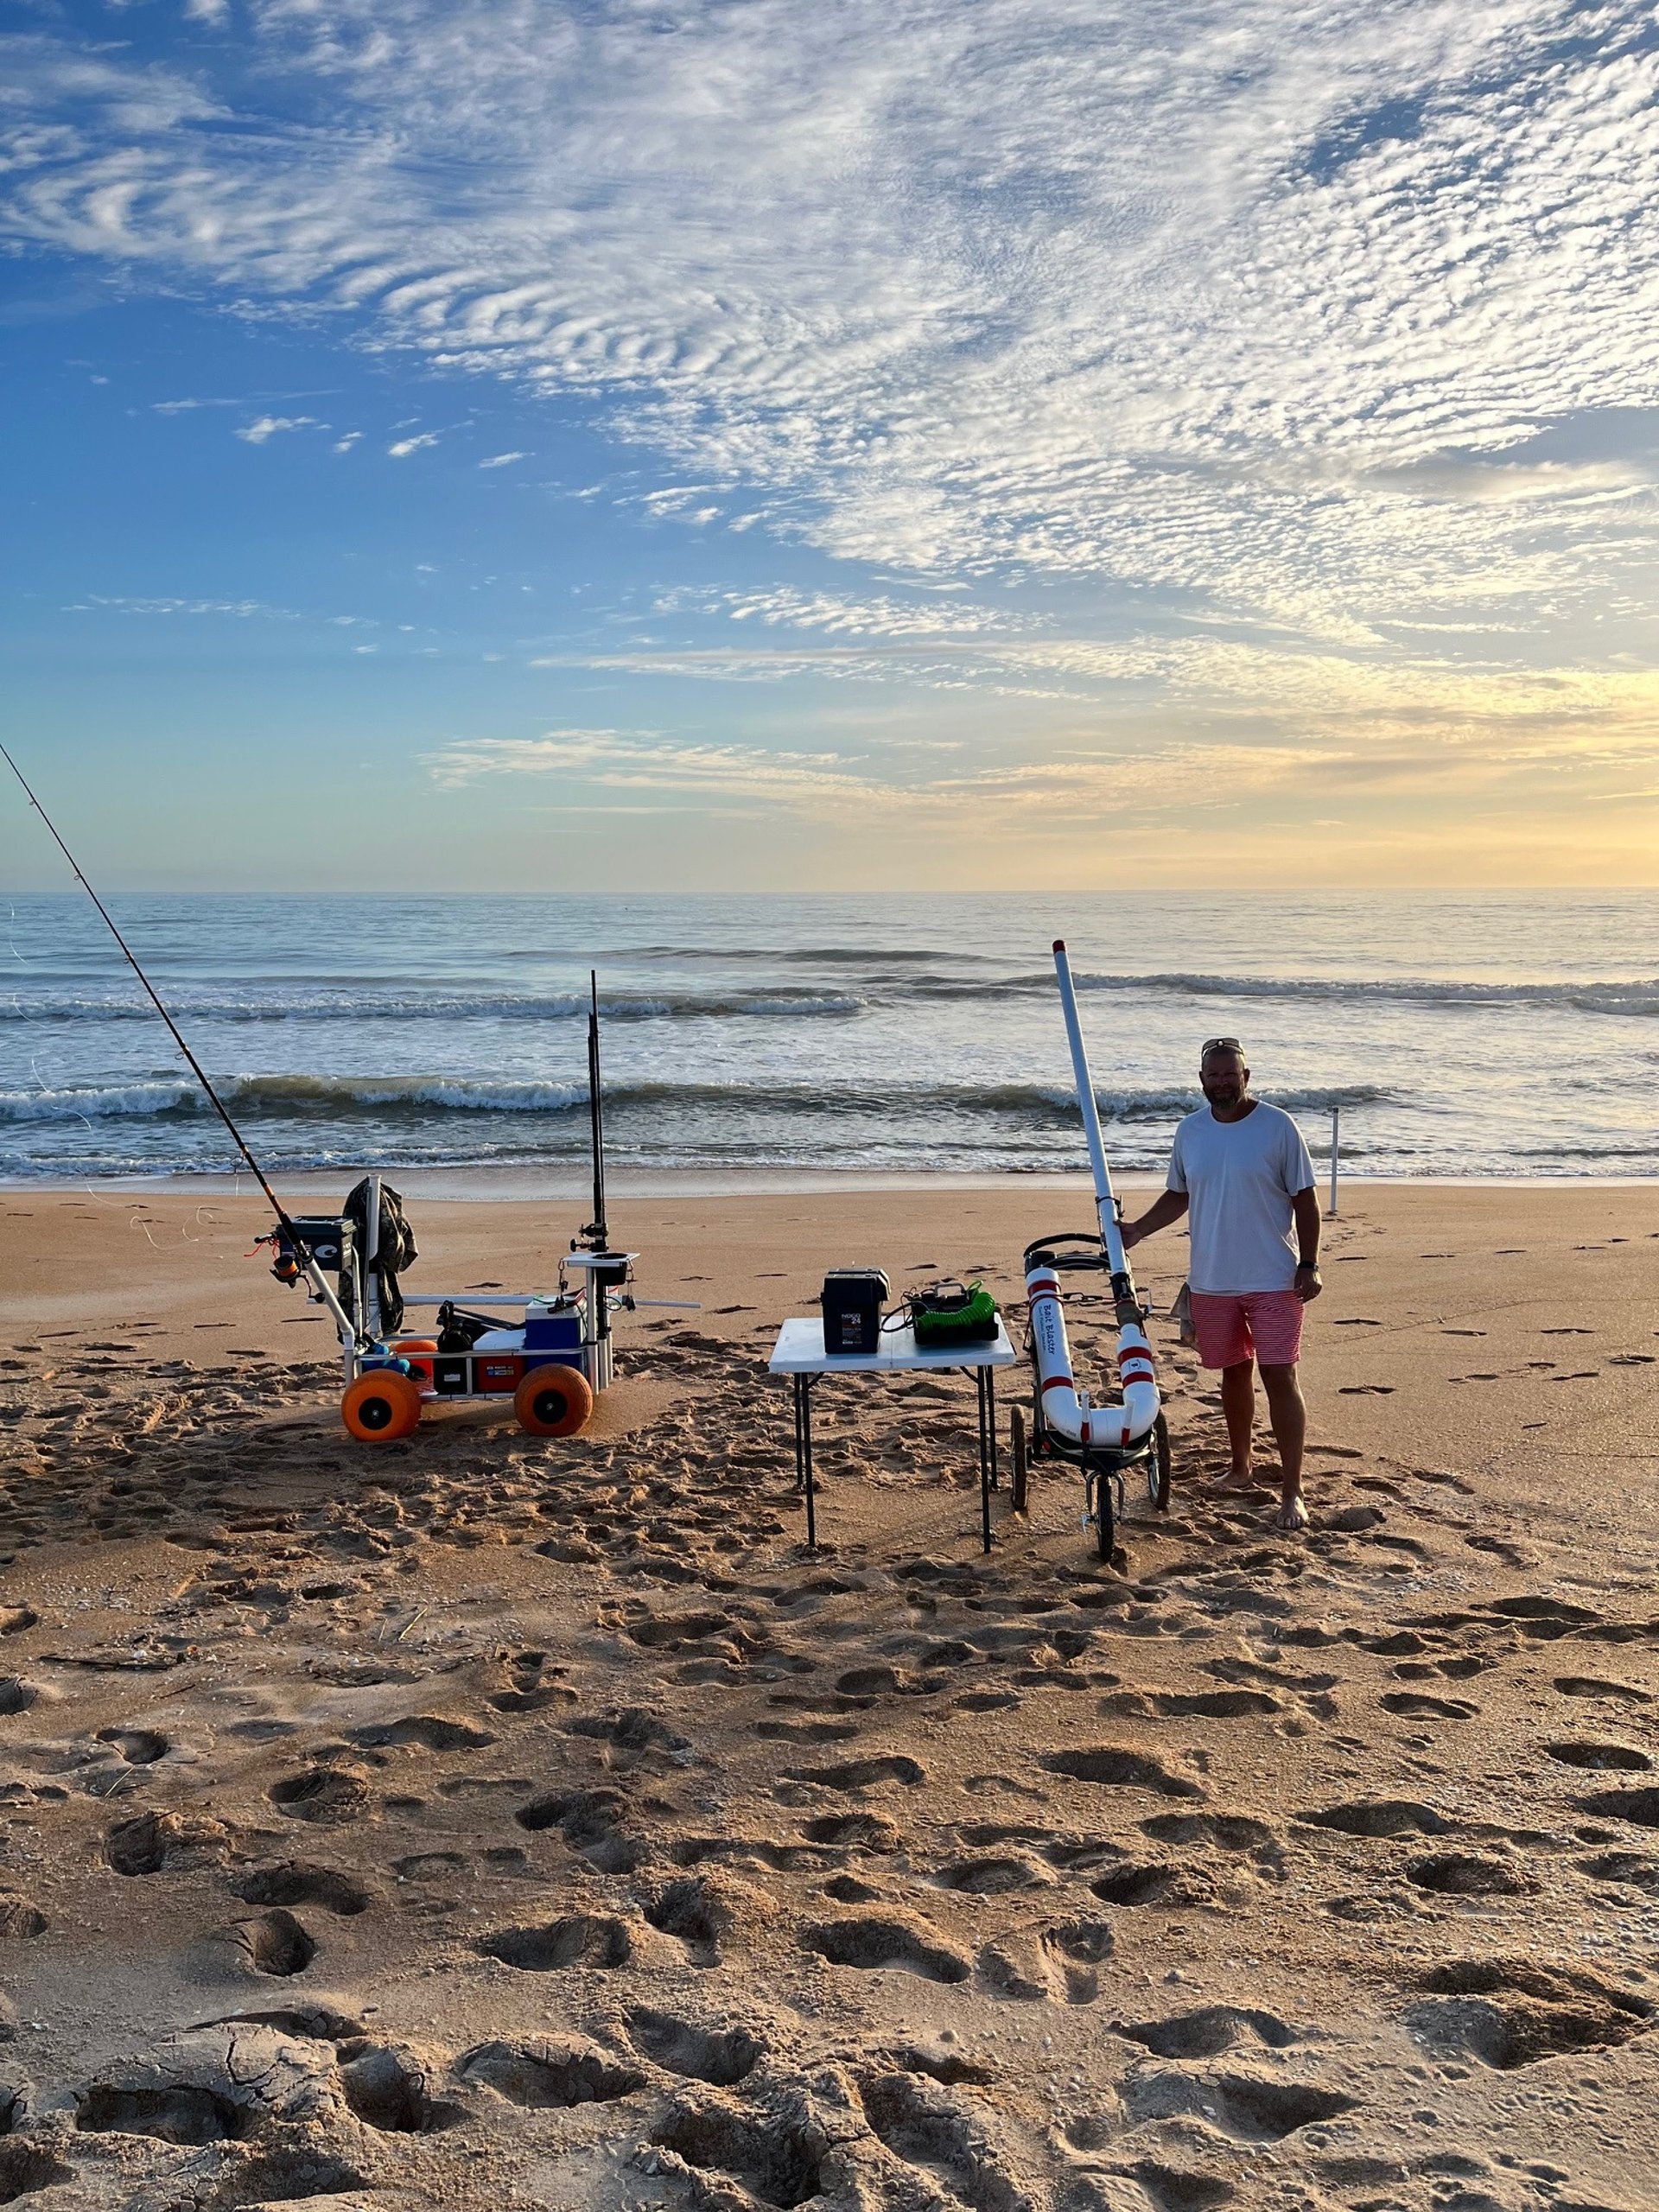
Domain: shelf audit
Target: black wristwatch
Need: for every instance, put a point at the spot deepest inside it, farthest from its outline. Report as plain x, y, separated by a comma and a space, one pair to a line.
1308, 1266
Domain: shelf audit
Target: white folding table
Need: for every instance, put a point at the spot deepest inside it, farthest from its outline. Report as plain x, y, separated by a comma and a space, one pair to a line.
799, 1353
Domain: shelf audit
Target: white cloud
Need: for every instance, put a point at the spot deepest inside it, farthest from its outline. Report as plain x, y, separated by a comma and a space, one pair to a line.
345, 444
268, 426
834, 787
837, 613
1288, 311
242, 608
404, 446
501, 460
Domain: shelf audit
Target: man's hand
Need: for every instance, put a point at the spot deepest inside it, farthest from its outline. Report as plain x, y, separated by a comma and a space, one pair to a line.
1168, 1206
1306, 1208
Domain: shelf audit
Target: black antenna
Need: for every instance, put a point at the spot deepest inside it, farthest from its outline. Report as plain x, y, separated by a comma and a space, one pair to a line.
595, 1232
213, 1098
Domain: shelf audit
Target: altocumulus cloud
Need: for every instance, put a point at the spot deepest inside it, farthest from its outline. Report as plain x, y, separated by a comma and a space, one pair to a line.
1270, 308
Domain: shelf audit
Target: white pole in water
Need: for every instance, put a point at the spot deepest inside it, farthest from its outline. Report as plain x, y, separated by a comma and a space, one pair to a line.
1105, 1205
1336, 1122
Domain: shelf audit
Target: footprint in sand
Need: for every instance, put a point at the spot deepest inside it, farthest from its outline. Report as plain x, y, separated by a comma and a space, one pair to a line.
298, 1881
1250, 2108
1208, 2032
1413, 1706
1511, 2012
775, 2159
1382, 1816
275, 1943
386, 2089
137, 1746
1111, 1767
722, 2056
1621, 1757
864, 1774
1468, 1874
1366, 1390
541, 2075
1590, 1686
167, 1843
872, 1942
578, 1939
855, 1831
329, 1796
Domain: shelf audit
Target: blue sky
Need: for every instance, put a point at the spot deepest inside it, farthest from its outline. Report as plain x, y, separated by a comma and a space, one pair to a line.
714, 446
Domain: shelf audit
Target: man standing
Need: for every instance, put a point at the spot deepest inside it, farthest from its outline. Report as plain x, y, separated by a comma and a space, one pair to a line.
1243, 1169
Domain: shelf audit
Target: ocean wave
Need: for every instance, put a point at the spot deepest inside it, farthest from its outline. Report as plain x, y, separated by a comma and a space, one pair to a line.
359, 1006
399, 1096
1638, 999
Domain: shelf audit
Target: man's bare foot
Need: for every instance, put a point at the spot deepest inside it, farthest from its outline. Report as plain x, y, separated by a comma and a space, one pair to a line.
1249, 1479
1293, 1514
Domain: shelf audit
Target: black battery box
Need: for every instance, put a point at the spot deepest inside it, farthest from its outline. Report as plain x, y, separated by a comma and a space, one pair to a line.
853, 1300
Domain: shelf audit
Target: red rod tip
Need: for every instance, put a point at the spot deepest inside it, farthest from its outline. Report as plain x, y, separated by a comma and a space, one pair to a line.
1059, 945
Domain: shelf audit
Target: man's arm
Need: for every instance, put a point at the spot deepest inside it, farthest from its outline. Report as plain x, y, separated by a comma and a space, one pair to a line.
1305, 1206
1168, 1206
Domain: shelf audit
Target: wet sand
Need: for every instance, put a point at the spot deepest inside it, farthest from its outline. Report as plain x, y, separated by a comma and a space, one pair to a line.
482, 1821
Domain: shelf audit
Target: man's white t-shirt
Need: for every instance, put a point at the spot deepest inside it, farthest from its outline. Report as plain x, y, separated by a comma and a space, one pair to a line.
1240, 1178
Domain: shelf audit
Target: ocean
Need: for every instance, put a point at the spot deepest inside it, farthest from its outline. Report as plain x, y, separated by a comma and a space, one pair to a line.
1503, 1034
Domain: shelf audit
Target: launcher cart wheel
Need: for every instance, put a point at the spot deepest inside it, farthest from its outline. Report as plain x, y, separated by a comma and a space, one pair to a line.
1019, 1480
553, 1400
1158, 1466
1105, 1532
381, 1407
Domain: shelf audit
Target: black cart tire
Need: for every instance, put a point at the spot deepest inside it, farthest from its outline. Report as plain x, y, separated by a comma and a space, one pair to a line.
1105, 1533
1019, 1479
1158, 1466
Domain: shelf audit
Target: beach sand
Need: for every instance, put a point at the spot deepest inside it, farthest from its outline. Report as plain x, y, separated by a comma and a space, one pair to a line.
480, 1821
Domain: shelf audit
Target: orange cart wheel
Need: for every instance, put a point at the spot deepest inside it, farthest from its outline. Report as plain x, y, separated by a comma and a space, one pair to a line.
381, 1406
553, 1400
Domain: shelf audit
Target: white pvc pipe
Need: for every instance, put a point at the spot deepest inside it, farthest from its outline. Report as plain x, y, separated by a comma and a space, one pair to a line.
1105, 1205
1064, 1406
1067, 1408
1336, 1129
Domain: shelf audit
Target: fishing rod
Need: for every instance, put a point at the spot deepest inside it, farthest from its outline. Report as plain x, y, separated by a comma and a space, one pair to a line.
312, 1274
595, 1233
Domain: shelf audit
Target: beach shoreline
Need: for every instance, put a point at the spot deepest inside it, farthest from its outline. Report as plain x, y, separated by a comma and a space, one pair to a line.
466, 1184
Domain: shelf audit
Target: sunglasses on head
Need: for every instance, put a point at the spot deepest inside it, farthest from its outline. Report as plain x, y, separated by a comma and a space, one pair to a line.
1220, 1045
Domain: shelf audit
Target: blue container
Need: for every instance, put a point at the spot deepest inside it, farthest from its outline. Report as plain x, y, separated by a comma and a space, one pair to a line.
553, 1332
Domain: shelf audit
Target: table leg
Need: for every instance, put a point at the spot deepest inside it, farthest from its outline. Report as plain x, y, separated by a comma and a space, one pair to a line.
982, 1377
804, 1455
989, 1374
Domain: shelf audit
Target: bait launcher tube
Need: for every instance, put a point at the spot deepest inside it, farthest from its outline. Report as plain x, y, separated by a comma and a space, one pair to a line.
1066, 1408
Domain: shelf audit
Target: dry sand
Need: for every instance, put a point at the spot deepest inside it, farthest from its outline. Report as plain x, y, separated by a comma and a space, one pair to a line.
484, 1822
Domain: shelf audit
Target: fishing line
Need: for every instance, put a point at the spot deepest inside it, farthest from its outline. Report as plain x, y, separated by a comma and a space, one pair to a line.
195, 1066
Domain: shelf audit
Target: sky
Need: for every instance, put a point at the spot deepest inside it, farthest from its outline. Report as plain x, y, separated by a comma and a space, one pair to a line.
733, 444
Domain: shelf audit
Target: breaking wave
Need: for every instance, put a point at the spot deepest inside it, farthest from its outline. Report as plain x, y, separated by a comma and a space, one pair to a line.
343, 1003
1638, 999
386, 1096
